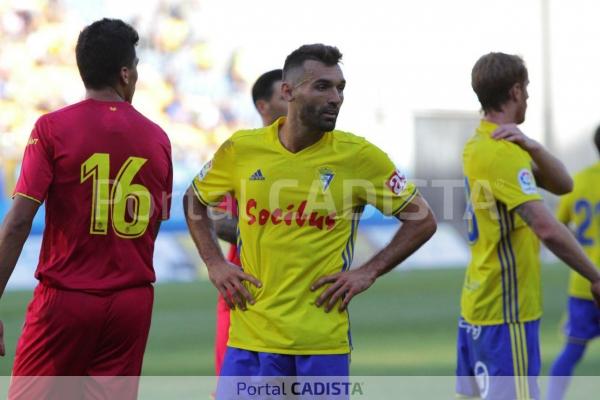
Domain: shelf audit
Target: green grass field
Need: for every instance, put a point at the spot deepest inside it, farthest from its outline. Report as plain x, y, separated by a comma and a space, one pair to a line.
404, 325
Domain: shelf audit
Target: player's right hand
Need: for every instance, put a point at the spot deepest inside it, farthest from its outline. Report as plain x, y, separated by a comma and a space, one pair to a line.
228, 279
2, 350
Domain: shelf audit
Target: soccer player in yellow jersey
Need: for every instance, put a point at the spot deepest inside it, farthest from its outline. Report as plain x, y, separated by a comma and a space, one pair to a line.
270, 104
301, 186
498, 334
579, 210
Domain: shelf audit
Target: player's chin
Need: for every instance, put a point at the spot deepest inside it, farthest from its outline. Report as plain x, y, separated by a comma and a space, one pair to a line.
327, 123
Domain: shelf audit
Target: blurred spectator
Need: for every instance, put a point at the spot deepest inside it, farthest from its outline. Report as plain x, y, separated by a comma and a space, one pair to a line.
200, 97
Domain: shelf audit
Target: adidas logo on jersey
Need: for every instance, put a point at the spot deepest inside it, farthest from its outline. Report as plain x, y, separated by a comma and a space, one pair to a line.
257, 176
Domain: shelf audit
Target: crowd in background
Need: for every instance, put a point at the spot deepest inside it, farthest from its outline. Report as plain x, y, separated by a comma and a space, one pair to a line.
198, 93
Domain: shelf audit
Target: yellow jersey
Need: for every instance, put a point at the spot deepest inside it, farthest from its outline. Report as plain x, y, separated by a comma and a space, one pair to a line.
298, 219
580, 209
502, 282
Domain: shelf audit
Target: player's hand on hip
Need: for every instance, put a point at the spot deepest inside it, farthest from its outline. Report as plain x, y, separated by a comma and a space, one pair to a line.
596, 292
512, 133
228, 279
2, 349
344, 285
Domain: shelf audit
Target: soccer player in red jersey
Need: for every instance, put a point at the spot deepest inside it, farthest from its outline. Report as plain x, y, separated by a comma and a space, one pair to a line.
105, 173
270, 104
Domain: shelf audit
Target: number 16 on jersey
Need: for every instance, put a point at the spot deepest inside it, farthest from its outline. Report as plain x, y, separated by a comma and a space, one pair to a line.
128, 205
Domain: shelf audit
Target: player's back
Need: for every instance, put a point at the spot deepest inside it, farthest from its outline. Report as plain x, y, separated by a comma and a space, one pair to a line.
502, 282
581, 210
105, 173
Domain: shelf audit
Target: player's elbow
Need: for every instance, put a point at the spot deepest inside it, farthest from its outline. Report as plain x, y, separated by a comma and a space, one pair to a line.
429, 225
565, 186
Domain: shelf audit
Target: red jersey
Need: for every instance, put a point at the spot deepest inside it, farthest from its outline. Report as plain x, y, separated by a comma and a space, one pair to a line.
105, 173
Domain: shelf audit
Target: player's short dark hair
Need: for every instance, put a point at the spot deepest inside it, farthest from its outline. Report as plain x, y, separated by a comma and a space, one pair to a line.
597, 139
328, 55
493, 76
263, 87
103, 48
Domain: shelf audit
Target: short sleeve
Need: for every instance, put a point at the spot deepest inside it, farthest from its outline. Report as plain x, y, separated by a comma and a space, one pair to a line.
216, 179
381, 184
511, 177
37, 168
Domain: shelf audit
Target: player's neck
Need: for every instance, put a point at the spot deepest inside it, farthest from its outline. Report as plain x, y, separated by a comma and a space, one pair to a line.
295, 137
500, 117
106, 94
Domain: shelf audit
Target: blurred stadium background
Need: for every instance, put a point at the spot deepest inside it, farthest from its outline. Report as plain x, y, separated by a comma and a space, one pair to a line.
408, 70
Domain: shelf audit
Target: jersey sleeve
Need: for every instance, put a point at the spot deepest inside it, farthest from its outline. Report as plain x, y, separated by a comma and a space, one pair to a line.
216, 179
511, 177
380, 183
37, 168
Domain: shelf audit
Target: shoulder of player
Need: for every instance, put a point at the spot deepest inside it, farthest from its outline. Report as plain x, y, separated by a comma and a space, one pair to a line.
347, 137
246, 136
503, 151
590, 172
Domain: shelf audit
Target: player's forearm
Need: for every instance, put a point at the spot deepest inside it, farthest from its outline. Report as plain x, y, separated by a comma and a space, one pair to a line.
550, 172
202, 230
409, 238
563, 244
12, 240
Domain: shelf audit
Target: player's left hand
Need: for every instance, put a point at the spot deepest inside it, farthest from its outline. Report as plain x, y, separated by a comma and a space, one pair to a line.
512, 133
344, 285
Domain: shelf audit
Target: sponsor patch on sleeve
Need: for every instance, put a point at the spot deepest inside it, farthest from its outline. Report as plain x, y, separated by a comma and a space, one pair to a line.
527, 181
204, 171
397, 182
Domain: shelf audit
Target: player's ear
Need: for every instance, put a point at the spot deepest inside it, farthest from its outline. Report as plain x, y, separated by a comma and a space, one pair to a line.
262, 106
516, 92
287, 91
124, 75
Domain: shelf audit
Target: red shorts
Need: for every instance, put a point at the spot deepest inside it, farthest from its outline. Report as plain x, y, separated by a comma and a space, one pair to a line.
71, 333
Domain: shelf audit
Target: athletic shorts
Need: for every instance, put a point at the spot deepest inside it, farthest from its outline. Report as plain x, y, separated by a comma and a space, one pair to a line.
245, 373
498, 361
71, 333
583, 321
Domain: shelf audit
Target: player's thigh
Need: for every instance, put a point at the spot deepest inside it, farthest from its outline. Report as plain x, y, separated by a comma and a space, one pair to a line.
61, 330
507, 361
466, 384
323, 365
246, 374
583, 322
240, 362
125, 333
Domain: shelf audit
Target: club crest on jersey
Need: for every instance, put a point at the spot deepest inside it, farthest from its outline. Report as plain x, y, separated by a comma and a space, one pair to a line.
205, 170
326, 175
527, 181
397, 182
257, 176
